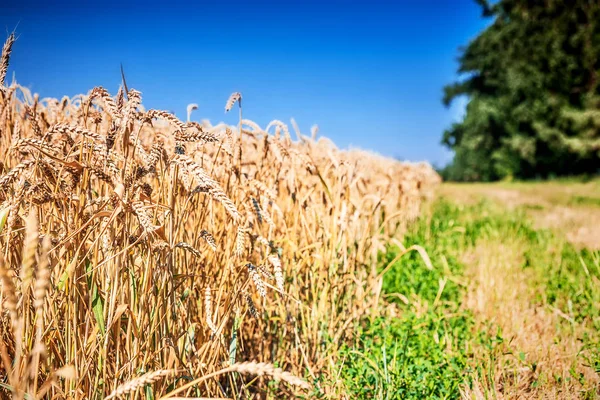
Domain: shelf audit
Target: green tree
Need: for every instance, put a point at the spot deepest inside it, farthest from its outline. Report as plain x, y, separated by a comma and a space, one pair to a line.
533, 90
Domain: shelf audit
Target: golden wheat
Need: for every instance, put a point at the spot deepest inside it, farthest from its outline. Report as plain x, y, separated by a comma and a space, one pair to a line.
234, 98
156, 231
139, 382
6, 50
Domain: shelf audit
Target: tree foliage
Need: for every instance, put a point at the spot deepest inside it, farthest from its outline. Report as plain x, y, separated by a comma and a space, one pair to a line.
533, 90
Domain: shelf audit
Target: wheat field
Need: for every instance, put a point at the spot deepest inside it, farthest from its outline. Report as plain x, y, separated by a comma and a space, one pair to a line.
143, 256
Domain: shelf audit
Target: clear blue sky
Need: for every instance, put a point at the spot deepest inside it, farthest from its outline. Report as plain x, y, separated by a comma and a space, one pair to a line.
369, 73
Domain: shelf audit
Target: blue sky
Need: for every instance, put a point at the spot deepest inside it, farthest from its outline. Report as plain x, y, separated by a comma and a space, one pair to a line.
370, 73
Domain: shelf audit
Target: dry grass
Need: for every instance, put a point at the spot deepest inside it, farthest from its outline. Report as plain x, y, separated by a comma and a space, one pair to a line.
502, 296
131, 243
573, 209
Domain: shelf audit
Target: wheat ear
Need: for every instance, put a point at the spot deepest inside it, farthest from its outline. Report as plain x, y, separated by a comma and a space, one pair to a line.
208, 310
251, 305
8, 290
250, 367
29, 253
234, 98
258, 283
240, 242
278, 272
6, 50
140, 381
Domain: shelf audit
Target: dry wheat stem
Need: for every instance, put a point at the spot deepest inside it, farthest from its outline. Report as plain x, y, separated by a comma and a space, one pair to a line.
139, 382
250, 367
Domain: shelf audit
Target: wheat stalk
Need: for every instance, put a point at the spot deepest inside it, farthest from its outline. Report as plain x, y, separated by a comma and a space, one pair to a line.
6, 50
140, 381
66, 130
191, 107
251, 305
278, 272
208, 310
29, 252
173, 120
111, 106
258, 283
210, 240
240, 242
250, 367
264, 272
188, 247
14, 173
235, 97
8, 290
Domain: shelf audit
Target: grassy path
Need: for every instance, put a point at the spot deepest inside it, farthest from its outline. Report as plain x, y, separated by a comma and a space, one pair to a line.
511, 308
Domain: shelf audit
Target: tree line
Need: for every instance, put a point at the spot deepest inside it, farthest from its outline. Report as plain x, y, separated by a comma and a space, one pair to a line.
532, 83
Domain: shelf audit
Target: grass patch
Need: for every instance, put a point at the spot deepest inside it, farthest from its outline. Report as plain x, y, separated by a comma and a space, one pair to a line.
425, 349
414, 356
584, 201
424, 352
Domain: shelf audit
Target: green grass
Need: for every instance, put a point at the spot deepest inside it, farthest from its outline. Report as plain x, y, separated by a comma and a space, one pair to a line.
426, 351
415, 356
423, 353
585, 200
